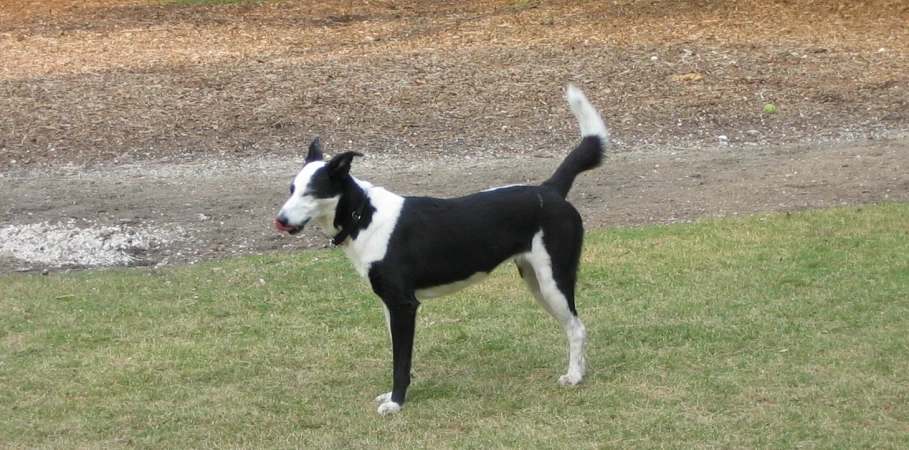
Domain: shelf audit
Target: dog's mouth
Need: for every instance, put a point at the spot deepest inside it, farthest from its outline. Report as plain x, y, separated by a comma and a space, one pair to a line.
288, 228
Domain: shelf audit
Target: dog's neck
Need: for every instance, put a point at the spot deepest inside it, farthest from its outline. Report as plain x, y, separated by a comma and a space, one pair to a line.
351, 223
370, 240
353, 214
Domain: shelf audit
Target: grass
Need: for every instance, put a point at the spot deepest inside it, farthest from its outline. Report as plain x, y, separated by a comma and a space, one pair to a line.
771, 331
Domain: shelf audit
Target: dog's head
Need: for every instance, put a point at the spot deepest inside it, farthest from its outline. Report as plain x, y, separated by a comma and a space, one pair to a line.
316, 190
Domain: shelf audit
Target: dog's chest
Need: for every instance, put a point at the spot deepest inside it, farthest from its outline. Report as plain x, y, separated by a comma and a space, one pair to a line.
369, 248
372, 243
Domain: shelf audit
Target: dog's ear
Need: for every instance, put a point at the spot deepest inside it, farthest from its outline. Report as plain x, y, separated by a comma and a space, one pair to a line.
315, 150
339, 166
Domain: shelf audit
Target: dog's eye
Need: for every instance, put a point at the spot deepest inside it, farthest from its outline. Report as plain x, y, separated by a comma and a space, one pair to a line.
291, 189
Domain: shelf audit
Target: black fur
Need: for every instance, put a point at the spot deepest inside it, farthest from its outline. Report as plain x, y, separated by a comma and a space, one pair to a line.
435, 246
315, 152
586, 156
441, 241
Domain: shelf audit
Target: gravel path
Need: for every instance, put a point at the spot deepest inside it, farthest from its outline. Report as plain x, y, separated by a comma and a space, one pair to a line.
164, 214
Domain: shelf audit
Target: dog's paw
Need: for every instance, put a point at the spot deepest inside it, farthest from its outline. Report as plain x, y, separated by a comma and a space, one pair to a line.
389, 408
383, 398
569, 380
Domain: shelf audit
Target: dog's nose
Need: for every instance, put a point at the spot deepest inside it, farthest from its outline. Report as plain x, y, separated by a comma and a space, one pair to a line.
281, 224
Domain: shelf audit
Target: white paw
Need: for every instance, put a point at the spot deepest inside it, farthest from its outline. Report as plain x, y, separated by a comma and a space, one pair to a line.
569, 380
386, 397
389, 408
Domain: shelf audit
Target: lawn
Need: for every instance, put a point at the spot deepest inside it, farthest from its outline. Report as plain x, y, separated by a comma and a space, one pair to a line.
774, 331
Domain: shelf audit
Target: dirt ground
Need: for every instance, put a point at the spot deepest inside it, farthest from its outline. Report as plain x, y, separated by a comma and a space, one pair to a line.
183, 125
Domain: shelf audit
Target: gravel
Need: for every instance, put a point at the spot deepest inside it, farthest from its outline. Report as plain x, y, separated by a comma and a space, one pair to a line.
80, 244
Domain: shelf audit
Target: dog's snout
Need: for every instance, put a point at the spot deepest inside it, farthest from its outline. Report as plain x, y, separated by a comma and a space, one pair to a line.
281, 223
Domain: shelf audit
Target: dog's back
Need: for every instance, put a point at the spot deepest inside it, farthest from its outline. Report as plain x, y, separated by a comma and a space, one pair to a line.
440, 241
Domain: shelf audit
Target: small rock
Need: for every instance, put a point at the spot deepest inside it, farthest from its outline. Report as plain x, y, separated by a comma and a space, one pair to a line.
203, 217
723, 137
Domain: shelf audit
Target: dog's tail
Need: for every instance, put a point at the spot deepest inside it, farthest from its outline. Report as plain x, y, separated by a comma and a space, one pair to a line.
589, 153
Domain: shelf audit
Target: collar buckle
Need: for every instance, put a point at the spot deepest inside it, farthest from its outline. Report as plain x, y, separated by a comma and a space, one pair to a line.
351, 225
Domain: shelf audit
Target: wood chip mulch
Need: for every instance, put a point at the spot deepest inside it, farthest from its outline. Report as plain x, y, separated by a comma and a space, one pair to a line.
115, 81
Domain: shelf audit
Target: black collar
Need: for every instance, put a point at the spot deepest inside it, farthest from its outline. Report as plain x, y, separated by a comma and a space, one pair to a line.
351, 223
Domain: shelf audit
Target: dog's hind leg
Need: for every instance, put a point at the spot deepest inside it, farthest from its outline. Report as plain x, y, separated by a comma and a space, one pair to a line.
525, 269
552, 285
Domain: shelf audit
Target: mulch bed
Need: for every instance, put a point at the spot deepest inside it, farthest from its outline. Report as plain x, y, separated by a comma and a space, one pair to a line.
116, 81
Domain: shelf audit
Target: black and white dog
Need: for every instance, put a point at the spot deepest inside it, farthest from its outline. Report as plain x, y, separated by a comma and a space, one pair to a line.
412, 248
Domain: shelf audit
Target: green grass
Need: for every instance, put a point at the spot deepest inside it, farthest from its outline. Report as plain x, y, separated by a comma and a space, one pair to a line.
771, 331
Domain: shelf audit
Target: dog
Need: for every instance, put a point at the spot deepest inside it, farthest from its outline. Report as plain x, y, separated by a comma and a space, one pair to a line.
417, 248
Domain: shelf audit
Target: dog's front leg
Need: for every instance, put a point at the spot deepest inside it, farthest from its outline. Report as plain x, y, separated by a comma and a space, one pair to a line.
402, 312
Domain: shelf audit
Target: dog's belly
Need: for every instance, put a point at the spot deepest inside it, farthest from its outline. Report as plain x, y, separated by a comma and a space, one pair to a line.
450, 288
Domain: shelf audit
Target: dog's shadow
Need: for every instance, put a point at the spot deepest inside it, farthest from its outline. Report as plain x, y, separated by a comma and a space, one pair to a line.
505, 369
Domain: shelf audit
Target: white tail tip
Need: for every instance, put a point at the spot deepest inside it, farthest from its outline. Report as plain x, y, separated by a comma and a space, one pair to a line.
588, 118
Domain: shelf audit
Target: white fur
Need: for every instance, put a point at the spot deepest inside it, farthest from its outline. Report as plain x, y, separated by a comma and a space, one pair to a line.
372, 242
503, 187
536, 268
588, 118
301, 207
445, 289
389, 407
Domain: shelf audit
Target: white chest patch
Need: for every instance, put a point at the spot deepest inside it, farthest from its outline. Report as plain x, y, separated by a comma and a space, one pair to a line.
372, 242
445, 289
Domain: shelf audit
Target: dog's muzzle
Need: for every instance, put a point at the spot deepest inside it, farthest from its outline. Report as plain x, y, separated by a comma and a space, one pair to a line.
283, 226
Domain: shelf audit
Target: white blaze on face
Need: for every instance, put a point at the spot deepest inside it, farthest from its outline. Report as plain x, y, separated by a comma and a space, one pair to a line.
302, 206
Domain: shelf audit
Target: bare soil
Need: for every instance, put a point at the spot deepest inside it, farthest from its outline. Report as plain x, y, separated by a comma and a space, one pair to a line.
193, 119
